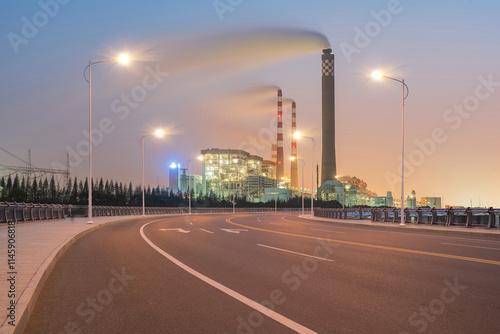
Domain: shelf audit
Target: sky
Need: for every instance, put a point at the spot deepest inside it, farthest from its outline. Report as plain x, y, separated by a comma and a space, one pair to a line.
207, 72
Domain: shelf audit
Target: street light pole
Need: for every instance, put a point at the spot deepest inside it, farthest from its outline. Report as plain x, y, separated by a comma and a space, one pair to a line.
143, 198
124, 59
89, 182
343, 195
189, 184
233, 198
303, 165
189, 179
158, 133
312, 176
343, 191
404, 96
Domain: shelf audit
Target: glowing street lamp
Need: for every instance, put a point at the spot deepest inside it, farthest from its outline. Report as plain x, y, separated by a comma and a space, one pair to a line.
200, 158
303, 165
297, 135
158, 133
123, 59
377, 75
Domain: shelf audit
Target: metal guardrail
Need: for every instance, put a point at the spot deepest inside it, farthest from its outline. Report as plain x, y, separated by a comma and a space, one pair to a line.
15, 212
19, 212
468, 217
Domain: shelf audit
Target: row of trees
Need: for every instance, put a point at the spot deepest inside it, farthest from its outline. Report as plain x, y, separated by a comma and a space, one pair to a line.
112, 193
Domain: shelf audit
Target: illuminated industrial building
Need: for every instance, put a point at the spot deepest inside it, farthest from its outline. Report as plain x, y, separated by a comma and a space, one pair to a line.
226, 169
349, 190
432, 202
387, 201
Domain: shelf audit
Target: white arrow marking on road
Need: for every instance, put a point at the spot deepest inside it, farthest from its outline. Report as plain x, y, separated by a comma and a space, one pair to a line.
294, 326
234, 230
207, 231
174, 229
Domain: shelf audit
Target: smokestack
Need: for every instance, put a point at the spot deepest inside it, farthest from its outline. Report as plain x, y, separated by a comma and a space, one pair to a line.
294, 182
274, 157
328, 161
280, 168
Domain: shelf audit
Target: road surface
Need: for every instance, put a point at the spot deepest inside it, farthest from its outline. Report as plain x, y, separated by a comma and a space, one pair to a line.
270, 273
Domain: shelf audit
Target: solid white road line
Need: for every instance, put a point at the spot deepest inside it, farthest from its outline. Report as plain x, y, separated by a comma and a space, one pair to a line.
301, 254
327, 231
207, 231
247, 301
445, 243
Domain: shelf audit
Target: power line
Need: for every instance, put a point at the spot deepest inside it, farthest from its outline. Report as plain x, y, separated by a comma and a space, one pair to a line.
15, 156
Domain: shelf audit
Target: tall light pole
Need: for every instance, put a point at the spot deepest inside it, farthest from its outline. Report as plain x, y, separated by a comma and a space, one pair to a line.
275, 194
124, 59
189, 179
379, 75
303, 165
234, 209
343, 191
298, 135
158, 133
235, 161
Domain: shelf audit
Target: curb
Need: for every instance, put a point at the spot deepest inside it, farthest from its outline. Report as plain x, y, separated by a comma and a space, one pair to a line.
29, 297
407, 227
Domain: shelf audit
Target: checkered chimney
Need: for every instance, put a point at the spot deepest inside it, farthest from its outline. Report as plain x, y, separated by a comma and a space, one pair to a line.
328, 161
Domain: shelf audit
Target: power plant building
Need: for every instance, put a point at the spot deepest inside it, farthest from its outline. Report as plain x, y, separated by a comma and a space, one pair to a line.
226, 169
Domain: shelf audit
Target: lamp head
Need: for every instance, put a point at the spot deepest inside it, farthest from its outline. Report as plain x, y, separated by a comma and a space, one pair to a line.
159, 133
200, 157
123, 58
377, 75
297, 135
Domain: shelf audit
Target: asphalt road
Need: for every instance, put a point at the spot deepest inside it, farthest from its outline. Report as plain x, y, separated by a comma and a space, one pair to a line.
270, 273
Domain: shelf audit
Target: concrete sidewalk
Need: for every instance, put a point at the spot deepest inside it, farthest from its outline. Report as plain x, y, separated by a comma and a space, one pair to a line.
38, 246
473, 231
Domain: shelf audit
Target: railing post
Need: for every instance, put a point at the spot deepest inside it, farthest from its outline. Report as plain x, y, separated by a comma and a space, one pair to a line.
450, 216
407, 215
469, 221
434, 216
396, 215
491, 217
419, 215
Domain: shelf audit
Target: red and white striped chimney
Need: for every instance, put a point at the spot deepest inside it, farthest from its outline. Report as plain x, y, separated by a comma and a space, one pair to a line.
280, 167
294, 182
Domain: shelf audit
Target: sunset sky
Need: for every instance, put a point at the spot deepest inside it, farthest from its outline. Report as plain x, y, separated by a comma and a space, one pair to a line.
207, 72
